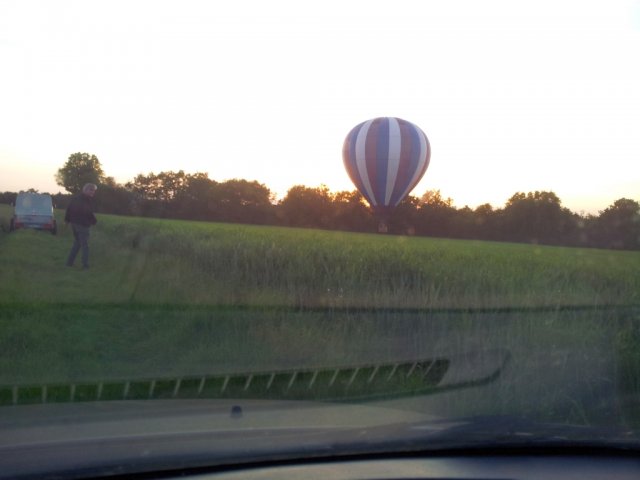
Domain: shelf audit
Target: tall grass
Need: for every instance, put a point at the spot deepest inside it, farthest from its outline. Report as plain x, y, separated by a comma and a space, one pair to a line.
257, 265
175, 262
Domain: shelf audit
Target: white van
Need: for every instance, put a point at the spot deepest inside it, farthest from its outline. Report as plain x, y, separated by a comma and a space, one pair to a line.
34, 210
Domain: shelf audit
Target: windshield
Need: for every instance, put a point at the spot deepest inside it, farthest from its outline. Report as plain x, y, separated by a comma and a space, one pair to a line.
33, 204
347, 227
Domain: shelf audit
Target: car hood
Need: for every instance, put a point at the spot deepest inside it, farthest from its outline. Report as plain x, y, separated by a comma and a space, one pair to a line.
104, 438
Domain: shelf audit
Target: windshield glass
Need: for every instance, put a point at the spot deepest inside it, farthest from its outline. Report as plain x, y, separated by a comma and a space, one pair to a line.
34, 204
403, 226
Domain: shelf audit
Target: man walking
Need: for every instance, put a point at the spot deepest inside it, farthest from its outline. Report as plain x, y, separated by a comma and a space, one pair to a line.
80, 215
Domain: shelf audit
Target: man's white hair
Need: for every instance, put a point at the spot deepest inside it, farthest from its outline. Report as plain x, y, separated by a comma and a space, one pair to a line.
89, 187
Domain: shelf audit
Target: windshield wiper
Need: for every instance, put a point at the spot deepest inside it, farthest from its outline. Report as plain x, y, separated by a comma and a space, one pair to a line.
362, 382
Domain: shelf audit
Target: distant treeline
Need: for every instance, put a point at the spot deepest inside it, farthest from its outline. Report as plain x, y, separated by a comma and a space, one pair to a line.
534, 217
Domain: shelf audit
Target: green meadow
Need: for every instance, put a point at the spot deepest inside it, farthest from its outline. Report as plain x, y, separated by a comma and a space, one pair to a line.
156, 262
167, 298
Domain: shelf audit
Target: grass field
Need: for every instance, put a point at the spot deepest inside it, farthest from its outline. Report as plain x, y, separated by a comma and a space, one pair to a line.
151, 261
167, 298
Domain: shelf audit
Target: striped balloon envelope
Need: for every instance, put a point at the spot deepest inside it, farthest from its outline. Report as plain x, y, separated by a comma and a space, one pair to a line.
385, 158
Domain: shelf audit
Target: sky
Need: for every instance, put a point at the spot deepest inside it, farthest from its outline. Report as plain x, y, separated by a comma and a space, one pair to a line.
513, 95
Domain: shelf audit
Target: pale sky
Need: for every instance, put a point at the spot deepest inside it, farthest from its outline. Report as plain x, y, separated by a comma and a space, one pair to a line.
513, 95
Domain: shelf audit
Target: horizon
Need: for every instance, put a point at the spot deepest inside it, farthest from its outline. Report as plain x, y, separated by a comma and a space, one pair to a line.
277, 198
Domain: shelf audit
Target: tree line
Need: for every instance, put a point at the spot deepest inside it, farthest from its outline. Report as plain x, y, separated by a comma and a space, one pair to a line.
532, 217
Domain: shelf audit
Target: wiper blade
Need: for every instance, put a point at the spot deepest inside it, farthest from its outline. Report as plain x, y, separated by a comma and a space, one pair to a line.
362, 382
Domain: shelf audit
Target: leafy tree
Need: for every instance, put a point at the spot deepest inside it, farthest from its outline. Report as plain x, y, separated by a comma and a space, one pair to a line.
485, 220
156, 195
536, 217
463, 223
114, 198
306, 207
351, 212
434, 198
434, 214
242, 201
173, 184
618, 226
403, 218
144, 186
61, 200
197, 199
164, 186
79, 169
8, 197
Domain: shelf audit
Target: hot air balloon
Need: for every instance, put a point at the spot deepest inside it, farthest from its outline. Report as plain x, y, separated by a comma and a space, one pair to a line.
385, 158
